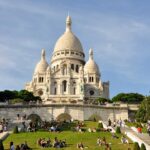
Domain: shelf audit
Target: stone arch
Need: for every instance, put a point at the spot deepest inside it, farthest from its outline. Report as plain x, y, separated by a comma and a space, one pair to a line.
34, 118
95, 117
63, 117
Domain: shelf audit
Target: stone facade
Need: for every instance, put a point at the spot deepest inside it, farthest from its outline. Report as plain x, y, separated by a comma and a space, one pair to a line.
68, 78
76, 112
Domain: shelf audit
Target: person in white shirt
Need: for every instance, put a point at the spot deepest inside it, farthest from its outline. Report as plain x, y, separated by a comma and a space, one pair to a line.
12, 147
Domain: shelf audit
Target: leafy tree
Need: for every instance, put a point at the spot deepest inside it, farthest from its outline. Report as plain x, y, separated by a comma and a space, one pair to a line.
143, 147
128, 98
102, 100
143, 113
100, 125
1, 145
136, 146
118, 130
16, 130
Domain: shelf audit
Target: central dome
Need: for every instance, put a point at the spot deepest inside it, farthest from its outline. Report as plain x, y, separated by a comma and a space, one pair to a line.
68, 41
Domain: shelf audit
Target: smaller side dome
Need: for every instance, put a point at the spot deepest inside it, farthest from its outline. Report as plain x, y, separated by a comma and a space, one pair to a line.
91, 66
42, 65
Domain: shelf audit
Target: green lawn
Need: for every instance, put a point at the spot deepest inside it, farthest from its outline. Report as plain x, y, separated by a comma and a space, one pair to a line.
72, 138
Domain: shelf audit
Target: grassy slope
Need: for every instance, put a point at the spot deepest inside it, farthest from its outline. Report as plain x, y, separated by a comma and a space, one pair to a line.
72, 138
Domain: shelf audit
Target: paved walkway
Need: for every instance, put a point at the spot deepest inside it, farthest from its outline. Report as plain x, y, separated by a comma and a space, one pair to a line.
134, 136
4, 135
143, 136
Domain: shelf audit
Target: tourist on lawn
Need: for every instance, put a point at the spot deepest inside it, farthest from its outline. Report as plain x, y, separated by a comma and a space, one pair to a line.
114, 123
25, 146
80, 146
99, 142
12, 147
56, 143
107, 147
139, 129
104, 141
18, 147
124, 140
109, 122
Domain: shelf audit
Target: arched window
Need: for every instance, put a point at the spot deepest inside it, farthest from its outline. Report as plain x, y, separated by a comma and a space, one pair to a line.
74, 91
57, 66
72, 66
92, 79
64, 69
55, 91
64, 86
77, 68
55, 88
41, 79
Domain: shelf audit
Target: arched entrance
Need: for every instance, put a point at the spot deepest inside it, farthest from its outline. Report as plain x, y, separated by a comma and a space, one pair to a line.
34, 118
64, 117
95, 117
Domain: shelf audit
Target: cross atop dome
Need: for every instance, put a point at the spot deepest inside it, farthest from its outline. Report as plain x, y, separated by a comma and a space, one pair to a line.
43, 54
91, 53
68, 23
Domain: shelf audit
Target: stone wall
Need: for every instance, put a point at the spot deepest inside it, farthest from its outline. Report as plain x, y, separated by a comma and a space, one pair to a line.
77, 112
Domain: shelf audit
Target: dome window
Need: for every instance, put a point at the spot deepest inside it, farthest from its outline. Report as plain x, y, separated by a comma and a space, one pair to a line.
91, 92
77, 68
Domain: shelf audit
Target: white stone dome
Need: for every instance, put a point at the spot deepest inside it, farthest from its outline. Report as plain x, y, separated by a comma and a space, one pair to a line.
91, 66
68, 41
42, 65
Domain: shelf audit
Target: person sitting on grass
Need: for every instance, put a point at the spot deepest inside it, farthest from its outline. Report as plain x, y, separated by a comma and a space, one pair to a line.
107, 147
12, 147
17, 147
25, 146
124, 140
104, 141
80, 146
99, 142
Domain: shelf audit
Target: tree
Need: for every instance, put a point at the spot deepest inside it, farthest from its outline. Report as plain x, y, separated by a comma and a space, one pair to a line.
143, 147
136, 146
16, 129
102, 100
1, 145
143, 113
118, 130
128, 98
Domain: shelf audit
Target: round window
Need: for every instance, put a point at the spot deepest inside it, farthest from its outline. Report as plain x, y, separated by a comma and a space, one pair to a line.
91, 92
40, 93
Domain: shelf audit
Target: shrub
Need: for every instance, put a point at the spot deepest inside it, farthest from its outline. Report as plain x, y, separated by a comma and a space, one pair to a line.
138, 124
16, 129
118, 130
143, 147
1, 145
136, 146
100, 125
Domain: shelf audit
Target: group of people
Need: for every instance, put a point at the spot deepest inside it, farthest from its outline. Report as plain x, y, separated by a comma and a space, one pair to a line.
3, 125
23, 146
103, 142
48, 143
115, 123
54, 128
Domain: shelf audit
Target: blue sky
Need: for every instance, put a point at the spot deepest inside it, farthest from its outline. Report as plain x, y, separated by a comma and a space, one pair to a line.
117, 30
